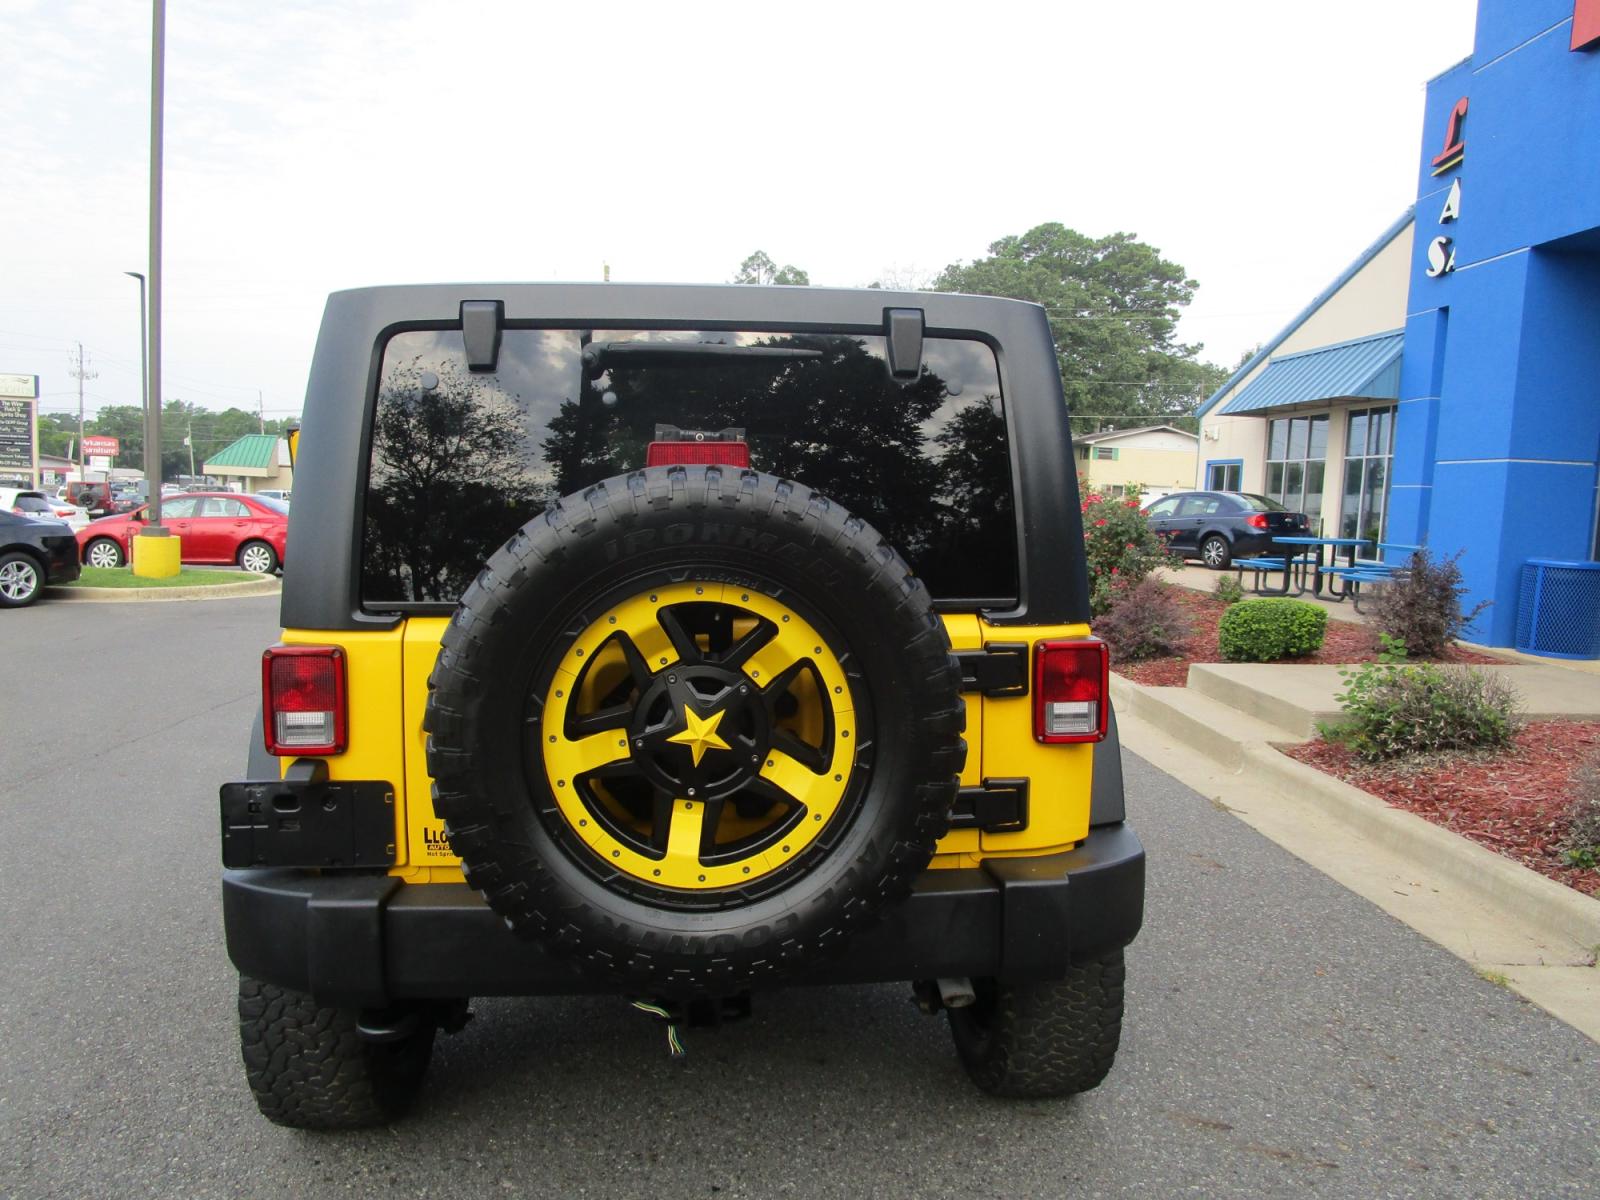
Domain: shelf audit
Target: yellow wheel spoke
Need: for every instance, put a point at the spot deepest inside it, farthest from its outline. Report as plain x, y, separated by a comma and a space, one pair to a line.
683, 840
776, 657
582, 755
792, 777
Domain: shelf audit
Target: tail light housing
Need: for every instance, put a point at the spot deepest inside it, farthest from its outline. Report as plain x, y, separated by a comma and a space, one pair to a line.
304, 705
697, 454
1256, 520
1071, 682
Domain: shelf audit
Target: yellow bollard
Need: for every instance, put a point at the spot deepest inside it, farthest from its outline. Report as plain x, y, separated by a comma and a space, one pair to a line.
156, 557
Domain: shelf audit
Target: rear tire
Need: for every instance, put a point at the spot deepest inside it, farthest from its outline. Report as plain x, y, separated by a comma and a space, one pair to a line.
310, 1068
21, 579
258, 558
1216, 553
1037, 1040
103, 552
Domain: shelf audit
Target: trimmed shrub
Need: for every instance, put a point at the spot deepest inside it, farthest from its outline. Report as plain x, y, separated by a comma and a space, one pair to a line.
1228, 589
1270, 629
1394, 711
1119, 546
1145, 620
1422, 605
1581, 843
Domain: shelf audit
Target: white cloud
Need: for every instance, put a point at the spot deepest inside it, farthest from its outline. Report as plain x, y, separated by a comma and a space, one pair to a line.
313, 146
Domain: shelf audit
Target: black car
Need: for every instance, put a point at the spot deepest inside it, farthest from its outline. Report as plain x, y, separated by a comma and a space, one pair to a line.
1218, 527
34, 553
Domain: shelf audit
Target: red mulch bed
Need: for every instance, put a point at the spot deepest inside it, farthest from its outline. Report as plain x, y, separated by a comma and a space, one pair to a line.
1511, 802
1345, 642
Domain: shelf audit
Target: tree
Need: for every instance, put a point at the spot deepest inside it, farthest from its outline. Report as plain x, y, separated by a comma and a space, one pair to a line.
1113, 304
758, 268
58, 432
449, 475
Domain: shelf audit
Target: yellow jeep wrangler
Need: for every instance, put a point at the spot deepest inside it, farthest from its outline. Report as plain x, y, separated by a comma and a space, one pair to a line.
677, 643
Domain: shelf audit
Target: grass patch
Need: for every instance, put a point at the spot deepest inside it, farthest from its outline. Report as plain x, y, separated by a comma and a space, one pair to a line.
123, 577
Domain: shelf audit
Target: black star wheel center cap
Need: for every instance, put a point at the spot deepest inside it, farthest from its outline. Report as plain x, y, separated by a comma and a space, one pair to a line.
700, 731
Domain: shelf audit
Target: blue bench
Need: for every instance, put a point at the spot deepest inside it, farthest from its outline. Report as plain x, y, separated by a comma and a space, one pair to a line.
1354, 577
1263, 566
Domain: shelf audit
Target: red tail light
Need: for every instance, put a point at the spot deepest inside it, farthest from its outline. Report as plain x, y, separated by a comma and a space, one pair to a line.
303, 700
697, 454
1071, 683
1256, 520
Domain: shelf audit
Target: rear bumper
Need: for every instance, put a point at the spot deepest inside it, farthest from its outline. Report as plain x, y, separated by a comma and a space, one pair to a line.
370, 939
62, 565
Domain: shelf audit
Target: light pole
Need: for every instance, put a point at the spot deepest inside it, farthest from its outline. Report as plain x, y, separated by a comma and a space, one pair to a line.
152, 416
152, 452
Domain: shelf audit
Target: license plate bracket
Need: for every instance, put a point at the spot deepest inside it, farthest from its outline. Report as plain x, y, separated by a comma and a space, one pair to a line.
308, 823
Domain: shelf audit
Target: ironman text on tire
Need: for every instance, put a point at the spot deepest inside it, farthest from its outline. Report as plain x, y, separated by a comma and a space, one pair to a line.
693, 728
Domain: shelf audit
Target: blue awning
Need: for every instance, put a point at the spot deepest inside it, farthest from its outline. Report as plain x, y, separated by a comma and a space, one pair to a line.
1368, 368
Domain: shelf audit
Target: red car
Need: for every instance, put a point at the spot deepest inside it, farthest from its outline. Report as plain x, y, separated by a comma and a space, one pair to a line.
215, 527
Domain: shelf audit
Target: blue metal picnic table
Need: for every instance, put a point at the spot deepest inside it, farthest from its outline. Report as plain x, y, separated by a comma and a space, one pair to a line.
1290, 561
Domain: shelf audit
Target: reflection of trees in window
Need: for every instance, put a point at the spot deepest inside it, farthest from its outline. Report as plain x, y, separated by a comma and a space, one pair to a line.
448, 482
836, 423
977, 537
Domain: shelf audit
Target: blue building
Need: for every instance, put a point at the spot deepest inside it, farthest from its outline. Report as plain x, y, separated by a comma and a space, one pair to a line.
1497, 434
1479, 431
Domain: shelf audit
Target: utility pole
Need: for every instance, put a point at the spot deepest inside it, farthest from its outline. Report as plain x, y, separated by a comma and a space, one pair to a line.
261, 411
189, 442
81, 371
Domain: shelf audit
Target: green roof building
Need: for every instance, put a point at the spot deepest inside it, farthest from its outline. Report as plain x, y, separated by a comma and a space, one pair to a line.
260, 461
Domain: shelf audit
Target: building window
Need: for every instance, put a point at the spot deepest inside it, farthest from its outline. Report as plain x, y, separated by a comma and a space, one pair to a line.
1105, 453
1297, 453
1366, 473
1225, 476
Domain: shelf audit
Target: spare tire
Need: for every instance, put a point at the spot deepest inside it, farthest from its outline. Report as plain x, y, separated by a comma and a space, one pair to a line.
694, 727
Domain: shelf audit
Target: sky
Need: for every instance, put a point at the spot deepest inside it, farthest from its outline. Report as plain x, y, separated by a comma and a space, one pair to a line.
1262, 144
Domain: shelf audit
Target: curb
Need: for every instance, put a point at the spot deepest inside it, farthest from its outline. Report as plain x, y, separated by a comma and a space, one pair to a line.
203, 591
1549, 906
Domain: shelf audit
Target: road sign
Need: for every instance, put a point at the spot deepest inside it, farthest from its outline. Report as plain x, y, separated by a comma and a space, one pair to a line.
16, 434
102, 447
24, 387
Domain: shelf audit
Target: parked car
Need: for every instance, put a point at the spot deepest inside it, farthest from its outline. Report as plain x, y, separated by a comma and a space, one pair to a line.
34, 552
96, 497
215, 527
274, 494
1218, 527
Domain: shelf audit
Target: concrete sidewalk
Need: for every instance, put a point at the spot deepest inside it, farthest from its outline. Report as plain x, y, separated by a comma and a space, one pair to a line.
1218, 735
1298, 698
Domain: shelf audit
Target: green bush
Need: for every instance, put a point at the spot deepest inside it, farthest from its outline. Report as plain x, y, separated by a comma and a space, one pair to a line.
1270, 629
1398, 710
1146, 620
1119, 545
1228, 589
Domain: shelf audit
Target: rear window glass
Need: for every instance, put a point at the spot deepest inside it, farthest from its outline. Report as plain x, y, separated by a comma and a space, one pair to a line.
460, 460
1260, 503
31, 504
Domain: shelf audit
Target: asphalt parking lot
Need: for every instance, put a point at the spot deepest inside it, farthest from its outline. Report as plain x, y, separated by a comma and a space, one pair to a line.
1284, 1037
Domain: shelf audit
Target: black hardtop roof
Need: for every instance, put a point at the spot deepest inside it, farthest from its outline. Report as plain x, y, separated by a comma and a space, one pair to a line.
322, 590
